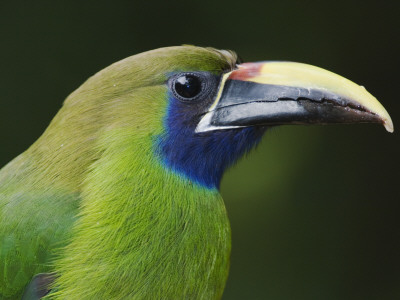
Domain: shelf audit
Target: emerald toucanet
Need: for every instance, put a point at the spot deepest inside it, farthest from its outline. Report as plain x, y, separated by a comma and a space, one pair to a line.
118, 199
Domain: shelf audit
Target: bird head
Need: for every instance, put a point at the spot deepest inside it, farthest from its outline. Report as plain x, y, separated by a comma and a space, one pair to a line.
198, 110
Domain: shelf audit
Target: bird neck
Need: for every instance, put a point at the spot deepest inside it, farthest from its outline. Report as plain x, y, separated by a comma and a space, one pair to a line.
202, 158
147, 232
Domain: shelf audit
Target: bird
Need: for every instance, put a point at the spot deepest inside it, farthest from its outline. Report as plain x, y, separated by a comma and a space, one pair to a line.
119, 197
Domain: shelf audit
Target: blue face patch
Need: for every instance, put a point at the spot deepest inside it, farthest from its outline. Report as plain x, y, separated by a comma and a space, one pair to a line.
202, 158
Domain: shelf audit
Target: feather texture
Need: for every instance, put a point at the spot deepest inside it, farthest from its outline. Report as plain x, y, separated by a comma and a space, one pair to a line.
93, 201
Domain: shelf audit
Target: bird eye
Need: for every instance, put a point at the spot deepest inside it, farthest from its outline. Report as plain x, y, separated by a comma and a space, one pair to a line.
187, 86
191, 86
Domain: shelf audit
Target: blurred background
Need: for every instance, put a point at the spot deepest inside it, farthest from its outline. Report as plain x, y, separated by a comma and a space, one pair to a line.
314, 209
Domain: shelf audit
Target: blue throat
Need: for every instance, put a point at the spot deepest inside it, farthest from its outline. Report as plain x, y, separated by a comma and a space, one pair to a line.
202, 158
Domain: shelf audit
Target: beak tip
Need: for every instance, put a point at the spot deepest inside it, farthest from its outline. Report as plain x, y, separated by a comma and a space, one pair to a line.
388, 125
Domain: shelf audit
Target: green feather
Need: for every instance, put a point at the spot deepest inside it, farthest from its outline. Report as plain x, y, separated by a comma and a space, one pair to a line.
90, 201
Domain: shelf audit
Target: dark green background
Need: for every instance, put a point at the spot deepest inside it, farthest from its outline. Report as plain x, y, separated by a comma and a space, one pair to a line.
314, 210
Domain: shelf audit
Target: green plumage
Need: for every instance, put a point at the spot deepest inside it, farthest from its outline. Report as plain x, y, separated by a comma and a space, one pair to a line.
118, 199
90, 201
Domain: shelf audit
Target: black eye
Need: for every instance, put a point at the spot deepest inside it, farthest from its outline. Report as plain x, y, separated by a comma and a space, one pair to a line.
188, 86
193, 87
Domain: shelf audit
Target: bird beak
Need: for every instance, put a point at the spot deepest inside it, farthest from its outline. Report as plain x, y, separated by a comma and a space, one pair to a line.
275, 93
